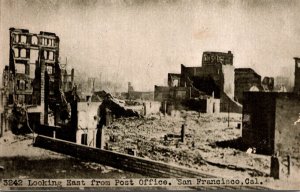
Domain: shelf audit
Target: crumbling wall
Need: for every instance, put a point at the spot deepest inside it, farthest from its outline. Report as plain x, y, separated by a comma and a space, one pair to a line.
87, 123
210, 74
213, 105
117, 109
87, 111
227, 104
34, 71
32, 55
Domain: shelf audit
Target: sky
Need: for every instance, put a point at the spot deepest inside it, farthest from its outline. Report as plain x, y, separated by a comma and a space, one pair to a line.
141, 41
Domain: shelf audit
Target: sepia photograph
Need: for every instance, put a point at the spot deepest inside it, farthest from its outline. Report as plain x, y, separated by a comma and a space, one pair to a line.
149, 95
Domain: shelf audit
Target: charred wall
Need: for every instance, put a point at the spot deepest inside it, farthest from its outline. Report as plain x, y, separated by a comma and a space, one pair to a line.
32, 55
270, 122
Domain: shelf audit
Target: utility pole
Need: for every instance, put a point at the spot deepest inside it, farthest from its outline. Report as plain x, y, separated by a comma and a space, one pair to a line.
228, 106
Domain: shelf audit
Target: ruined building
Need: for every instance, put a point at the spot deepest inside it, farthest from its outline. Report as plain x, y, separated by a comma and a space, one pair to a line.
35, 88
138, 95
39, 95
215, 79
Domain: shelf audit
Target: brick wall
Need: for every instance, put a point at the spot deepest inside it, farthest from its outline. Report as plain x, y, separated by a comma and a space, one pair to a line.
117, 160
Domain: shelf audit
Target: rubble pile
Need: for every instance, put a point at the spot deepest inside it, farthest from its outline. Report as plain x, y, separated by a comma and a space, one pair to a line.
157, 137
117, 107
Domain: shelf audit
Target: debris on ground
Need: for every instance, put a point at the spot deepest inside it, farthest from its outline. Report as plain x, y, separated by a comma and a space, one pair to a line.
157, 137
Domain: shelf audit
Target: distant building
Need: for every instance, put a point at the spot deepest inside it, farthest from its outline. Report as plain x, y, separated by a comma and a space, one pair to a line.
138, 95
130, 87
162, 93
67, 80
214, 80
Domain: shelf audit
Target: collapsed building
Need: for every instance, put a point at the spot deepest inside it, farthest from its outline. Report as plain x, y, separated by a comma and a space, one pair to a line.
36, 89
216, 86
39, 95
210, 87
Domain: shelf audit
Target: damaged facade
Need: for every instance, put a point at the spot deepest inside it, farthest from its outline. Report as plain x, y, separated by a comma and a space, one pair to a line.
209, 86
39, 94
217, 78
33, 79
